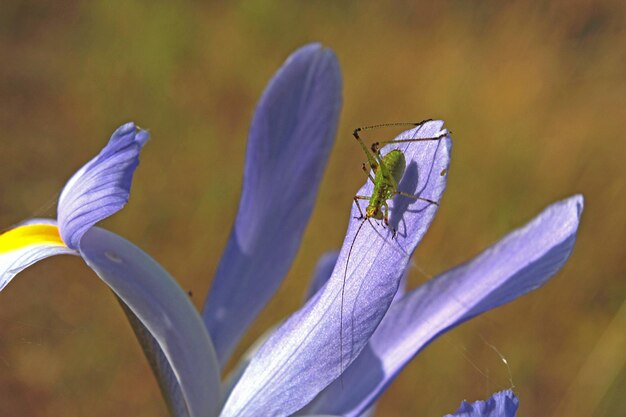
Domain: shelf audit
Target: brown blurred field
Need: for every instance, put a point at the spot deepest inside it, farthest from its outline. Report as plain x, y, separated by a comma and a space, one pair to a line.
533, 92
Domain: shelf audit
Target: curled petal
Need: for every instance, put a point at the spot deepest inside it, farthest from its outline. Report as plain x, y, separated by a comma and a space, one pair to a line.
501, 404
102, 186
26, 244
521, 262
304, 355
157, 301
290, 138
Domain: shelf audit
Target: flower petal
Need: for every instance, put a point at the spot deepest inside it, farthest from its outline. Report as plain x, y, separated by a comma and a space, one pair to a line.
102, 186
323, 271
304, 355
26, 244
369, 412
501, 404
166, 378
166, 312
521, 262
290, 138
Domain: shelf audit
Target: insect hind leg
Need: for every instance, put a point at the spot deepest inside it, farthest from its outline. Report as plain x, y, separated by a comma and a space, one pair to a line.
396, 124
373, 157
377, 146
367, 172
373, 152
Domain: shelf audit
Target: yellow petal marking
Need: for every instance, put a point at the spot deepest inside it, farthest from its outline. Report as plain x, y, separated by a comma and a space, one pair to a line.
31, 234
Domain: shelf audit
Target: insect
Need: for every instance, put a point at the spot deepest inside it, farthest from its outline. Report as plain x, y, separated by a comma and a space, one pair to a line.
387, 171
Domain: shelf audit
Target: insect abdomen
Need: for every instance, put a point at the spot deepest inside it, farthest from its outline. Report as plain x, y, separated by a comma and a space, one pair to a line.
396, 164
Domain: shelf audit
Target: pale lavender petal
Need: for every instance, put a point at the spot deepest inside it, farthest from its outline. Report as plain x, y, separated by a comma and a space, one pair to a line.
501, 404
38, 220
102, 186
521, 262
164, 309
303, 355
290, 138
323, 271
15, 260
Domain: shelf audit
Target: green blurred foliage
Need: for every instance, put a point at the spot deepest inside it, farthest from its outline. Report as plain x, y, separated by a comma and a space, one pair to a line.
532, 91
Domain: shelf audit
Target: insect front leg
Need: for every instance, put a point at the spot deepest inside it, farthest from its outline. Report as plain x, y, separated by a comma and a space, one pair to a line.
371, 160
356, 201
367, 172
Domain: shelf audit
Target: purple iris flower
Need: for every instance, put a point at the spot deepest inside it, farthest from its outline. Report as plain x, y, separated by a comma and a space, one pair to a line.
296, 368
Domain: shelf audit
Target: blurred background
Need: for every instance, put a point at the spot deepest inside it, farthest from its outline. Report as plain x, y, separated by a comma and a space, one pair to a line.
532, 91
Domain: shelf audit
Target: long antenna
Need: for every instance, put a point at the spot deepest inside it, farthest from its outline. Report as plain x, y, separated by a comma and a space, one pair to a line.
343, 289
